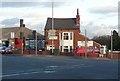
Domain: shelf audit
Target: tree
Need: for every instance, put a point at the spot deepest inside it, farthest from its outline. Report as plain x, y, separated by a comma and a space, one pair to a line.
103, 40
106, 40
116, 41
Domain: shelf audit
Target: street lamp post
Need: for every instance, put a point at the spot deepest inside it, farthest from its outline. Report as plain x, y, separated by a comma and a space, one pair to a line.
52, 25
22, 38
111, 45
36, 43
85, 44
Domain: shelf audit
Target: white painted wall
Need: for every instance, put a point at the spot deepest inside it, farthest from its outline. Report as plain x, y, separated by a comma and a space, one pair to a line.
66, 42
103, 49
82, 43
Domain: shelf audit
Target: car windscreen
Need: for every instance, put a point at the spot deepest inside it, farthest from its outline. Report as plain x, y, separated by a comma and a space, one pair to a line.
1, 48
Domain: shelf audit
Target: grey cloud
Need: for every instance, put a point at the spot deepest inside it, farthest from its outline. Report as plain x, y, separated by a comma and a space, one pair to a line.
38, 27
30, 4
96, 30
10, 22
104, 10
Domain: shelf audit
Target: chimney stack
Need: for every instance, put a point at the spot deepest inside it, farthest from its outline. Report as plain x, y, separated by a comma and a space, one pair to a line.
21, 22
77, 18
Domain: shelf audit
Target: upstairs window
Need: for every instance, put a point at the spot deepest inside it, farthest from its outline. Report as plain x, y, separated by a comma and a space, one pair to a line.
71, 36
61, 36
66, 37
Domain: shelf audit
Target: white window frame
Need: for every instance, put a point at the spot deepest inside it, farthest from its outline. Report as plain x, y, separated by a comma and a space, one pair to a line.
71, 36
66, 48
67, 36
71, 49
61, 39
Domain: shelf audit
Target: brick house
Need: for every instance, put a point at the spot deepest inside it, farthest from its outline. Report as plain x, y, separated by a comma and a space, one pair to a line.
66, 34
9, 36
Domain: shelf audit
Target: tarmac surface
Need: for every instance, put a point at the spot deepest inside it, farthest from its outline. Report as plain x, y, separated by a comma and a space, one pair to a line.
58, 67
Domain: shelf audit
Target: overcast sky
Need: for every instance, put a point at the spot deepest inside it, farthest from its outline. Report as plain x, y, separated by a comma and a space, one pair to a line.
98, 17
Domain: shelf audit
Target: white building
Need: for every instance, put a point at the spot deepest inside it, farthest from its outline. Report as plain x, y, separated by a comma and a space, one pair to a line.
103, 49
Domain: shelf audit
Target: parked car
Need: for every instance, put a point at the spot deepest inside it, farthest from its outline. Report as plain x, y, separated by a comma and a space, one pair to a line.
89, 50
8, 50
2, 49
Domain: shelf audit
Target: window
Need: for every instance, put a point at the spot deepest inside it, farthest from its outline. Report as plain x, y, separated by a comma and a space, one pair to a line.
71, 49
65, 48
32, 44
71, 36
61, 48
51, 47
61, 36
66, 37
27, 44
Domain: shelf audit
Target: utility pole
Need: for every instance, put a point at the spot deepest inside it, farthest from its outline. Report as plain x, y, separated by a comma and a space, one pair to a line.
21, 33
36, 43
111, 45
52, 25
85, 44
22, 39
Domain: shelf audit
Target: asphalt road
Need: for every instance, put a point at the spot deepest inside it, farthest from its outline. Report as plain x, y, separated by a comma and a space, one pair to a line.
58, 67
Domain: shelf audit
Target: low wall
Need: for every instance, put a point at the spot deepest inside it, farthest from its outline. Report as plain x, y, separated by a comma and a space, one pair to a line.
32, 52
46, 52
67, 53
113, 56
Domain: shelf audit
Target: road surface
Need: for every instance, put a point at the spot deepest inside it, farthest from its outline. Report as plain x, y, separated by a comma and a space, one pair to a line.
58, 67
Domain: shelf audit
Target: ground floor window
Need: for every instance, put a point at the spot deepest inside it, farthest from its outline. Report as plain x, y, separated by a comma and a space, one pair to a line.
50, 47
71, 48
66, 49
32, 44
60, 48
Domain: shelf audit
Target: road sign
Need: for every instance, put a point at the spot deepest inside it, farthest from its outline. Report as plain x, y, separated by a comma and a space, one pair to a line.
53, 37
52, 32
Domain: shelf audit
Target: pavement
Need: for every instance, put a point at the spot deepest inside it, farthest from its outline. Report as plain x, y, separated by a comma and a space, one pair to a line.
58, 67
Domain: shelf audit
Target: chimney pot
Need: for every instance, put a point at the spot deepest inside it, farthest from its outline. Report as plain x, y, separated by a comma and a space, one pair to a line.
23, 25
77, 18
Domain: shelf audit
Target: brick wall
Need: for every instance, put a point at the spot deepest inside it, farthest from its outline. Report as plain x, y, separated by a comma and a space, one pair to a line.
77, 37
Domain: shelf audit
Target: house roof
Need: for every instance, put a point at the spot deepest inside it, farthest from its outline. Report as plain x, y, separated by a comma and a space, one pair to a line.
39, 37
61, 23
6, 32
